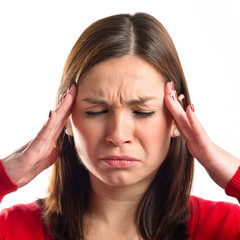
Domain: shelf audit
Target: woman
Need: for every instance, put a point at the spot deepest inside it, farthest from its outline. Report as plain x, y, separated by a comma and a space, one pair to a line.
122, 141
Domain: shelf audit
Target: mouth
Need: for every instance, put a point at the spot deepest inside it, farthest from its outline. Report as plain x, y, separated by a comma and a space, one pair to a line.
120, 161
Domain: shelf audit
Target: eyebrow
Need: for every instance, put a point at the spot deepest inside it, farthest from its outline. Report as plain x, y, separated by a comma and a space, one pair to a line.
100, 101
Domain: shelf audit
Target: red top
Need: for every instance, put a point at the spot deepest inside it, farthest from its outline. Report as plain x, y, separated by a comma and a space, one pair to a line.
208, 220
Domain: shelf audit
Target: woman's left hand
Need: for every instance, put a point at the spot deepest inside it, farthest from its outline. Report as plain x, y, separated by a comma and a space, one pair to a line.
220, 165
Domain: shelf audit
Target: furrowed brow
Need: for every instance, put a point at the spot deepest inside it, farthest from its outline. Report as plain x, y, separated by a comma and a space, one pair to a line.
95, 101
99, 101
141, 100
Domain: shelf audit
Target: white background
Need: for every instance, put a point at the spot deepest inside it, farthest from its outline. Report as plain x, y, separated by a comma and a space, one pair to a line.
36, 37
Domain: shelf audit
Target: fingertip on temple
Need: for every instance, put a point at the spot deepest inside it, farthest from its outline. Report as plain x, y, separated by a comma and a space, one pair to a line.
169, 87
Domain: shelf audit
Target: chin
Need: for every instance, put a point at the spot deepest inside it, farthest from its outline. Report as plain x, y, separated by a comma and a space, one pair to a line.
124, 179
119, 180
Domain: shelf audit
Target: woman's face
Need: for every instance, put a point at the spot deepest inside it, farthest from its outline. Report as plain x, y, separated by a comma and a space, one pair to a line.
120, 124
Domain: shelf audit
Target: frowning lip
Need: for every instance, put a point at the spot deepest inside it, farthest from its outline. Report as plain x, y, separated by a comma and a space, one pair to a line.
120, 161
123, 158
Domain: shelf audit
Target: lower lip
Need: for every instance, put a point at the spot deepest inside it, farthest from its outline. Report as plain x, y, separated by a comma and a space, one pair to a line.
120, 163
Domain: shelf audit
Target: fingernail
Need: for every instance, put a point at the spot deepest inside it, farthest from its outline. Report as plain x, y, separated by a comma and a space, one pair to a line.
192, 107
173, 95
50, 113
70, 86
172, 85
68, 89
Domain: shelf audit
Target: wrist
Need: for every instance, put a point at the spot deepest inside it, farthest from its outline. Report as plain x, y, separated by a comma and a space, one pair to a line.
221, 166
6, 184
11, 168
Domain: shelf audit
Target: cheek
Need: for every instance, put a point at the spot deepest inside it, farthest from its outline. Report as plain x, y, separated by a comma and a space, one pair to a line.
156, 136
157, 129
86, 134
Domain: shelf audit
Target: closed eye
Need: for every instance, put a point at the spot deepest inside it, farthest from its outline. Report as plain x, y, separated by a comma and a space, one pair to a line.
140, 114
143, 114
94, 114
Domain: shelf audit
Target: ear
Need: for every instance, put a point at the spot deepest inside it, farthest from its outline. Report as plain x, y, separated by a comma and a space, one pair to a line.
68, 128
174, 129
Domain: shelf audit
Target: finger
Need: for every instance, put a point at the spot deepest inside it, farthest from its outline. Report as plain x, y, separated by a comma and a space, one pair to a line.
68, 100
43, 135
64, 111
197, 128
177, 113
51, 130
65, 108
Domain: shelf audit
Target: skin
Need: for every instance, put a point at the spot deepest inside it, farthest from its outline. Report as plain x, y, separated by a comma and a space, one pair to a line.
220, 165
110, 118
23, 165
119, 131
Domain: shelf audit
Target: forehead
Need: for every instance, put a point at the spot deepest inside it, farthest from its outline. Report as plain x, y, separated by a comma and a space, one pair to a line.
128, 76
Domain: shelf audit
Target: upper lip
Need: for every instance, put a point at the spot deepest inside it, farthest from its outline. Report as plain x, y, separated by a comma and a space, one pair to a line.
123, 158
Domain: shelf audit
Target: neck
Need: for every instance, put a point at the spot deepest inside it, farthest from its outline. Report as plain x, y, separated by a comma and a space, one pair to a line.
113, 210
116, 204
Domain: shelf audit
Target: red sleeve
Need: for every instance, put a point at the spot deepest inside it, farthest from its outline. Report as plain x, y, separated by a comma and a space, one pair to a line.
209, 220
23, 221
233, 187
6, 185
216, 220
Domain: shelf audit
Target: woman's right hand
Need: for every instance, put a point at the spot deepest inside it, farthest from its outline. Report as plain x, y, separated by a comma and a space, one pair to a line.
27, 162
220, 165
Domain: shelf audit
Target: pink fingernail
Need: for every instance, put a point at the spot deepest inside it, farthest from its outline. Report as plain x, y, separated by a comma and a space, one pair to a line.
173, 95
70, 86
192, 107
68, 89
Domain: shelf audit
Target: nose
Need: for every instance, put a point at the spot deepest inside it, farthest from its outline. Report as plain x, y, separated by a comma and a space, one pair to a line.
119, 129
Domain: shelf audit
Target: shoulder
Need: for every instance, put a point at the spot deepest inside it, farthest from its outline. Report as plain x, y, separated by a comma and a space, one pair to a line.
23, 220
213, 220
197, 203
16, 212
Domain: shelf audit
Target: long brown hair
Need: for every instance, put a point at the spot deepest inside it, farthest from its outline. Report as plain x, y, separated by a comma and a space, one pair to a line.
163, 210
